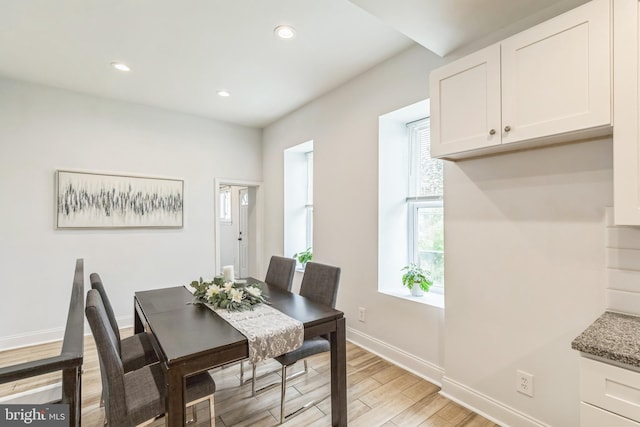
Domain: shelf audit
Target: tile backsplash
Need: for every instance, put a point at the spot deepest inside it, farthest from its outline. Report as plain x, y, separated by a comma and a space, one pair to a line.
623, 266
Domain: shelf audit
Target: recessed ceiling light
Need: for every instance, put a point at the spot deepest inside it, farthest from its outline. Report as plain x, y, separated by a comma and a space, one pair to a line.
223, 93
120, 66
285, 32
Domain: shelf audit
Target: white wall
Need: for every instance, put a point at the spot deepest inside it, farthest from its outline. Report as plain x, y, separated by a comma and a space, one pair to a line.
344, 127
44, 129
525, 257
525, 274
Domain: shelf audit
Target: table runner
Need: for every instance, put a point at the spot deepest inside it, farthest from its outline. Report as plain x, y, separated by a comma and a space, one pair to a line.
269, 332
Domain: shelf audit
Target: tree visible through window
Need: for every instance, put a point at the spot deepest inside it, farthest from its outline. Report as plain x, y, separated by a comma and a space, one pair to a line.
425, 209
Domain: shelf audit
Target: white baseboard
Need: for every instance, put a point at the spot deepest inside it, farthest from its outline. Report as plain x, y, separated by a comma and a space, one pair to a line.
411, 363
37, 396
483, 405
49, 335
32, 338
125, 321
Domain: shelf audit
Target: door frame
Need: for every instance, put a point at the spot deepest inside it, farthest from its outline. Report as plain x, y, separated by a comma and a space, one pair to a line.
256, 240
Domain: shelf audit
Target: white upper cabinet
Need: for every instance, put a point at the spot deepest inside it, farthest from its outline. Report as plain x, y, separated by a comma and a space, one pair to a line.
466, 98
545, 84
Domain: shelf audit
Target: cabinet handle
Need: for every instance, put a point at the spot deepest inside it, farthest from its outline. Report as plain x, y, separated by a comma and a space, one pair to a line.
492, 132
507, 128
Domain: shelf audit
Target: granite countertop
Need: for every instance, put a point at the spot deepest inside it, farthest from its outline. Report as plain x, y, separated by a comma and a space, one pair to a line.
613, 336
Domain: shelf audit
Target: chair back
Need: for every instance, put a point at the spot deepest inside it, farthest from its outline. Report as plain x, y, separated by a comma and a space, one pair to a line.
111, 368
320, 283
96, 283
280, 272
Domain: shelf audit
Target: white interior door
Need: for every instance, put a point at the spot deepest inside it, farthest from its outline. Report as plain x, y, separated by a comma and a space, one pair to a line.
243, 233
227, 247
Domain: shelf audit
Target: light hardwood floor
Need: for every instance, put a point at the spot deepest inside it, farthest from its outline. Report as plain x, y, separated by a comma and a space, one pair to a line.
379, 393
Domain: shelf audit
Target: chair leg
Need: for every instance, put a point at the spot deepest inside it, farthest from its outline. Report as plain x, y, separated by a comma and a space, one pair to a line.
303, 408
192, 405
194, 416
283, 392
253, 380
212, 411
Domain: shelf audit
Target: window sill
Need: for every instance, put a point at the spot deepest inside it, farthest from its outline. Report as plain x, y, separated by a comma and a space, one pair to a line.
429, 298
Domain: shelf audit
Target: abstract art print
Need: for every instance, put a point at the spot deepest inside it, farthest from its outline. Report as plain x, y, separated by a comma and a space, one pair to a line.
93, 200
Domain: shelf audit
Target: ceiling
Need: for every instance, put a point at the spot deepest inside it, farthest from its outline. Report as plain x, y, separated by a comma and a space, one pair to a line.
182, 53
444, 26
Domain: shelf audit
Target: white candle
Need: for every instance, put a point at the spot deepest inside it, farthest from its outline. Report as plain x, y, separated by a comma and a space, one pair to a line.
227, 272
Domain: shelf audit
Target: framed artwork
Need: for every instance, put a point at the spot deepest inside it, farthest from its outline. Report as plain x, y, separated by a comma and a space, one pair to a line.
95, 200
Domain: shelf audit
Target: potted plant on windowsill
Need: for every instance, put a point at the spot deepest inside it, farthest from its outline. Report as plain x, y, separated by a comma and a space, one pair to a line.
304, 257
416, 279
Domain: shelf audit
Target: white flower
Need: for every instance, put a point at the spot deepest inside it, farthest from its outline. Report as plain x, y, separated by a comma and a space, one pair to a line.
236, 295
213, 290
253, 291
228, 286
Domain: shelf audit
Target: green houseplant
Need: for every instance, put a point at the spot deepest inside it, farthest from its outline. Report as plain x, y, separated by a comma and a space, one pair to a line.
304, 257
416, 279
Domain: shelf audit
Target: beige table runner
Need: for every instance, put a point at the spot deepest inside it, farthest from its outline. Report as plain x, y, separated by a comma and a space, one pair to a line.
270, 332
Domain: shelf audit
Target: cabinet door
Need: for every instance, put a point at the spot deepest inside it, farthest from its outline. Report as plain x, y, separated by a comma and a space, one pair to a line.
610, 387
590, 416
626, 135
556, 76
465, 103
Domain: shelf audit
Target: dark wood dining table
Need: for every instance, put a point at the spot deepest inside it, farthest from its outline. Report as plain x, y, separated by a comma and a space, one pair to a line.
190, 338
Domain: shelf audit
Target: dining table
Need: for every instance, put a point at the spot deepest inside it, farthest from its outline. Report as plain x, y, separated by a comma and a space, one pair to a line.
190, 338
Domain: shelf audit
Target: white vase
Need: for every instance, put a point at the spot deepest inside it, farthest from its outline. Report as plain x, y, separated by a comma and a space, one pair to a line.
416, 290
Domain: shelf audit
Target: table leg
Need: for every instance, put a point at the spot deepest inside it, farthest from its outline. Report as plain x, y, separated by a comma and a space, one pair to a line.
339, 375
137, 322
175, 403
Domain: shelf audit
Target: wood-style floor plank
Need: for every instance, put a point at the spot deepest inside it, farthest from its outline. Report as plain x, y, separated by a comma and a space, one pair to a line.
378, 393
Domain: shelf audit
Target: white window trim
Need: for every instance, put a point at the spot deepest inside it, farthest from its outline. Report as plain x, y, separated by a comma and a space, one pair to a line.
432, 298
392, 207
298, 199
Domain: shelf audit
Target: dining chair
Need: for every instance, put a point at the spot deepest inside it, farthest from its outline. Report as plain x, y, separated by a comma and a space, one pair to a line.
279, 273
135, 351
320, 284
136, 397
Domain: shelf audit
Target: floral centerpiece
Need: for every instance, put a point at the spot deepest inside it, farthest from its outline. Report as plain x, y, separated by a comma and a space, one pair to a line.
229, 295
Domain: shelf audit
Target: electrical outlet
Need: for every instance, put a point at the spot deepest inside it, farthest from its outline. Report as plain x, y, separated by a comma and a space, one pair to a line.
524, 383
362, 314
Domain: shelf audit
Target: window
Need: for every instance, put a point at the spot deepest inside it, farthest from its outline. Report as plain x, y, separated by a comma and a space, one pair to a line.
410, 214
298, 198
225, 204
424, 204
309, 205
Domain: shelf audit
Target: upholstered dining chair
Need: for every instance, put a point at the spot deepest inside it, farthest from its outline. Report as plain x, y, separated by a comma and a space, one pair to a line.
320, 284
136, 397
135, 351
280, 272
